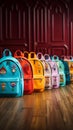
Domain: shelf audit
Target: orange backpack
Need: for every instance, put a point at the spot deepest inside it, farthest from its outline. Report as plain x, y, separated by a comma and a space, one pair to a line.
27, 71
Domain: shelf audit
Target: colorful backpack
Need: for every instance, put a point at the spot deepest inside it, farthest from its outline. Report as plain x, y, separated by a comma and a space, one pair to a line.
47, 71
70, 64
67, 72
54, 69
61, 70
27, 71
38, 72
11, 76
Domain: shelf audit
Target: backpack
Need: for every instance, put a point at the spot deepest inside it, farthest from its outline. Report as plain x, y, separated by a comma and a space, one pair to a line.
70, 64
54, 71
47, 71
27, 71
61, 70
67, 72
11, 76
38, 72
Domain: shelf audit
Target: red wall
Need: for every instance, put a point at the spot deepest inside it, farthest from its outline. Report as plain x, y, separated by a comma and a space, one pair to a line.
45, 26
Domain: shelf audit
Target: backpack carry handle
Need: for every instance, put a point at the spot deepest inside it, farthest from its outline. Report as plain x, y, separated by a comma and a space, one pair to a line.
70, 58
26, 54
40, 56
55, 58
7, 52
32, 55
47, 57
18, 53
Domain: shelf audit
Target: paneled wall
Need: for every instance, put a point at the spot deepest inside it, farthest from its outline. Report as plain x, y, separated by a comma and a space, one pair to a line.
45, 26
51, 27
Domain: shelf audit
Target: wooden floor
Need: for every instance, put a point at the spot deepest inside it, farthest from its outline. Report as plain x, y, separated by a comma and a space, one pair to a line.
50, 110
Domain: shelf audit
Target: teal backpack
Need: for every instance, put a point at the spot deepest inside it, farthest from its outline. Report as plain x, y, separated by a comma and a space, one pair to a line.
67, 72
61, 70
11, 76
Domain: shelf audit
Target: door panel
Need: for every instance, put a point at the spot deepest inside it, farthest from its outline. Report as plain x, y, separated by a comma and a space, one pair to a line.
14, 25
57, 27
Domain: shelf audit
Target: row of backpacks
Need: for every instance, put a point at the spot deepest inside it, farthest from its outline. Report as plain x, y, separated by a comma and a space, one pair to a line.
28, 72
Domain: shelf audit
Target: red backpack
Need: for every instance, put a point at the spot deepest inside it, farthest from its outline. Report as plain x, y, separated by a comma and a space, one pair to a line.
27, 71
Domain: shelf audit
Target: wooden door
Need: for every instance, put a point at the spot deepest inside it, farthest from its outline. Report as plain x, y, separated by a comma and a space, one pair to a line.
51, 28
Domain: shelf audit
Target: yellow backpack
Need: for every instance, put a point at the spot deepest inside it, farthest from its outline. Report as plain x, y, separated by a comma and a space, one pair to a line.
71, 70
38, 72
